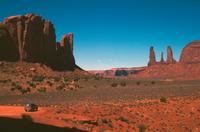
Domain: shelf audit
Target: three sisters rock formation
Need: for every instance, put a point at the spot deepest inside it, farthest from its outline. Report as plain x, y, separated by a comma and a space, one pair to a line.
31, 38
189, 55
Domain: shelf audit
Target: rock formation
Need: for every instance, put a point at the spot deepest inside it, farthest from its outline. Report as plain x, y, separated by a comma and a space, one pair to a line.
8, 50
162, 61
191, 53
31, 38
170, 59
152, 58
65, 56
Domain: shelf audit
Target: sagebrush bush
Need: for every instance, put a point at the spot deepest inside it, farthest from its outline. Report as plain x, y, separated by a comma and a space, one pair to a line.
163, 100
121, 118
138, 83
142, 128
37, 78
41, 90
114, 85
123, 84
31, 84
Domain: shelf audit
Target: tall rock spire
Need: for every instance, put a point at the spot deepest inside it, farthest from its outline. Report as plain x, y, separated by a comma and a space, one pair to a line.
170, 59
162, 58
152, 58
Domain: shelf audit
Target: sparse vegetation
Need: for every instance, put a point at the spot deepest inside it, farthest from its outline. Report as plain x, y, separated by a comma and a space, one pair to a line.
114, 84
163, 100
89, 122
65, 79
41, 90
142, 128
25, 90
56, 79
76, 79
31, 84
138, 83
37, 78
123, 84
60, 87
153, 82
121, 118
15, 86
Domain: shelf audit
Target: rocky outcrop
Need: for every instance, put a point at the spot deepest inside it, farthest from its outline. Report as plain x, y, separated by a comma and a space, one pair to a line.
170, 59
191, 53
65, 56
152, 58
162, 61
31, 38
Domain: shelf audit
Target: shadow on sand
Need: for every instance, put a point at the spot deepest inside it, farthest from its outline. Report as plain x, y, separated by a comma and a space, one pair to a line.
26, 125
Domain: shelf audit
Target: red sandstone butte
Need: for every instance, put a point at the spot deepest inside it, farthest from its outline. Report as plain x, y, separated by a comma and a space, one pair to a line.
31, 38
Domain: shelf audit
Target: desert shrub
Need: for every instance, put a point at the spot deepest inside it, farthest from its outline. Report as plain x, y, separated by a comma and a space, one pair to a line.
97, 77
76, 79
25, 90
142, 128
138, 83
4, 80
163, 100
114, 85
41, 90
123, 84
121, 118
89, 122
49, 83
15, 86
153, 82
37, 78
65, 79
60, 87
31, 84
56, 79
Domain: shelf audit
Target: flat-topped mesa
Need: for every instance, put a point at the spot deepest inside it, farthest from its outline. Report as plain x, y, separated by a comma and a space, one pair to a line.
170, 59
191, 53
31, 38
152, 58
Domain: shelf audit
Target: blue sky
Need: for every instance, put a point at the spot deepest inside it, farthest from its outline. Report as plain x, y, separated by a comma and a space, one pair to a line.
116, 33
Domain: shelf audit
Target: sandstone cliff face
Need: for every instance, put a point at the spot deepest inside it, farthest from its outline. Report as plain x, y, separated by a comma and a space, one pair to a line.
33, 39
65, 56
191, 53
8, 50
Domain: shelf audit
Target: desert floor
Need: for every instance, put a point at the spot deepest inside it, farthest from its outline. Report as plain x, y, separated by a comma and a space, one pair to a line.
69, 102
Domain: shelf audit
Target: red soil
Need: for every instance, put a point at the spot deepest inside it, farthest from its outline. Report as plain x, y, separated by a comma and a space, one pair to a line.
178, 114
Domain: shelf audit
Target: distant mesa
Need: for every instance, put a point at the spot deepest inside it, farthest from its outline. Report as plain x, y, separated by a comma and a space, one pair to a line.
191, 53
31, 38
